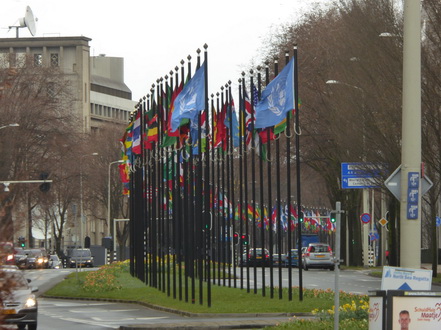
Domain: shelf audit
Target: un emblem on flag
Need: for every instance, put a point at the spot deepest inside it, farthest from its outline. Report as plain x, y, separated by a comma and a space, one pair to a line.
277, 99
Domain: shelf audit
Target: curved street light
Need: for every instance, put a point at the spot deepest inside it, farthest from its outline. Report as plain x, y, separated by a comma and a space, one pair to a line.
10, 125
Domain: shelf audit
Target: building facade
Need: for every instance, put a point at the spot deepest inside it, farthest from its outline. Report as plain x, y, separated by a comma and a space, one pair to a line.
96, 84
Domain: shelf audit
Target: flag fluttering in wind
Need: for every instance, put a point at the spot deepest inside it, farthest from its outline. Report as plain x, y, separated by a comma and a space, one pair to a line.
277, 98
233, 127
190, 100
136, 144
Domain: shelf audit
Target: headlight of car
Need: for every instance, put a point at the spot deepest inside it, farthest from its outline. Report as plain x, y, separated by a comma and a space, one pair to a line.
40, 260
31, 302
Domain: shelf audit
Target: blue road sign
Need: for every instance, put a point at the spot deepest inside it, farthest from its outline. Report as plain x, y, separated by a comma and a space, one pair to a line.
365, 218
412, 197
359, 175
414, 180
412, 211
438, 221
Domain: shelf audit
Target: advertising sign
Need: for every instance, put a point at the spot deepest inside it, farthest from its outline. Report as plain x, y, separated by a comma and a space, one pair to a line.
415, 312
396, 278
376, 313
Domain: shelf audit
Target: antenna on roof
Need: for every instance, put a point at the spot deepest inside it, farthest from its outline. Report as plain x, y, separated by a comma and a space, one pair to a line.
28, 21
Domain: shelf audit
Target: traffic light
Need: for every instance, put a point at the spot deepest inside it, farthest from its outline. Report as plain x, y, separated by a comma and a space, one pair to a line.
44, 187
301, 217
236, 238
22, 241
244, 239
333, 217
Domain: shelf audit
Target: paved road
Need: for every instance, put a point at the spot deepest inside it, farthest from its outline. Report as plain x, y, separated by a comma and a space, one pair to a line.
78, 314
353, 281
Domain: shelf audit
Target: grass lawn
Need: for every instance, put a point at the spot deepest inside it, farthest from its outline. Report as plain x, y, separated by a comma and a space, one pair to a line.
224, 299
108, 283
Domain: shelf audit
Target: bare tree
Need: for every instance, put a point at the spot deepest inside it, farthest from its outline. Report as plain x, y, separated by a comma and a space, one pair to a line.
38, 99
357, 118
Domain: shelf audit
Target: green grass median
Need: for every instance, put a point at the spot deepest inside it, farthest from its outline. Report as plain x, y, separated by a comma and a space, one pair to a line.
114, 282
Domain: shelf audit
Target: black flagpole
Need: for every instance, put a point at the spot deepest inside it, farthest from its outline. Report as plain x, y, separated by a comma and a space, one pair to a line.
261, 193
278, 202
297, 141
245, 200
207, 214
253, 197
242, 150
288, 197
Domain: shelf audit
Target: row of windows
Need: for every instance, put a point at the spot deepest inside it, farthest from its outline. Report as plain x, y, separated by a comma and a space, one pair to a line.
20, 60
109, 112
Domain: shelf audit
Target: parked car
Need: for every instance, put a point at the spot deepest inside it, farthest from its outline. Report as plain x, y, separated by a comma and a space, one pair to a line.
318, 255
55, 262
293, 259
21, 259
81, 258
279, 259
256, 257
20, 308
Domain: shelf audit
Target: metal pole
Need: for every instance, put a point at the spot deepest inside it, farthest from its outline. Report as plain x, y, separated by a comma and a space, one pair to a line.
410, 215
365, 229
113, 233
337, 264
81, 198
81, 204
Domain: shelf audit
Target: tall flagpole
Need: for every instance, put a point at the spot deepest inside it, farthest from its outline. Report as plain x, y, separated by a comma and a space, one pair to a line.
245, 178
207, 220
299, 199
288, 195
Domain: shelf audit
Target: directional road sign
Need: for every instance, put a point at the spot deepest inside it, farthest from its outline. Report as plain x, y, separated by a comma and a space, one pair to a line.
393, 183
359, 175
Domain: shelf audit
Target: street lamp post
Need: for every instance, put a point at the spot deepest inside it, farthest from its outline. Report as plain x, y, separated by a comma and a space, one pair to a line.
365, 191
81, 197
108, 205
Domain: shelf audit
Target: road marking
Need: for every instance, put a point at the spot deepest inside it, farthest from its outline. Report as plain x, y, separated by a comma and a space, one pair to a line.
131, 318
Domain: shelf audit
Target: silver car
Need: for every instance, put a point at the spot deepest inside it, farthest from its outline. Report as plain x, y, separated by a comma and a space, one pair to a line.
318, 255
55, 262
20, 306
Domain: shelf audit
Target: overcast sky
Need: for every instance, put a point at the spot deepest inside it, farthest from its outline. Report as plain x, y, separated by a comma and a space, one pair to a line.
153, 36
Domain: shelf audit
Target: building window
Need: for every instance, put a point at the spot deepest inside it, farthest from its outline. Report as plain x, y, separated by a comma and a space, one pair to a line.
20, 60
54, 60
51, 92
38, 60
4, 60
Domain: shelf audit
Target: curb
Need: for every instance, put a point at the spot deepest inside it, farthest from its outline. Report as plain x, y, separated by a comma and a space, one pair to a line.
184, 313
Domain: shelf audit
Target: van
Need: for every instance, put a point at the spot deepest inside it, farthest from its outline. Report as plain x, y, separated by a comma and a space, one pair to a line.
81, 258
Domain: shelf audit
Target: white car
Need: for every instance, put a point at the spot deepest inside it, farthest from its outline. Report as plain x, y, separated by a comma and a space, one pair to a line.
318, 255
20, 307
55, 262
